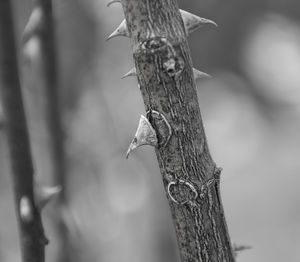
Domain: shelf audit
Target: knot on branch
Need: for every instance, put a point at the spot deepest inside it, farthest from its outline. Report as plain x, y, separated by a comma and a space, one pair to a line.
174, 66
26, 209
182, 192
170, 60
154, 44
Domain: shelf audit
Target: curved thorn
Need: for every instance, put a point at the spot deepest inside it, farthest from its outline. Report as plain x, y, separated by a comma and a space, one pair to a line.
192, 22
132, 72
120, 31
112, 2
43, 195
199, 75
145, 135
33, 25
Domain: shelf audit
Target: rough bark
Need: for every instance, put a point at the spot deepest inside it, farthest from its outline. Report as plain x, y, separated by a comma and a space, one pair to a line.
29, 218
190, 176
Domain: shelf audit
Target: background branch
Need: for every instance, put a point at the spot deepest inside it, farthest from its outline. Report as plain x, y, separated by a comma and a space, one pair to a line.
29, 218
41, 25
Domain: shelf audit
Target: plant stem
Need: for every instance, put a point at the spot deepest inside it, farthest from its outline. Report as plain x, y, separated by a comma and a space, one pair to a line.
48, 53
29, 219
190, 176
54, 112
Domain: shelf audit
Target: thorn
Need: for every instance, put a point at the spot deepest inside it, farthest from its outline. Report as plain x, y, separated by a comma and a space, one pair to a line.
132, 72
26, 209
34, 24
145, 135
238, 248
198, 74
192, 22
43, 195
113, 2
120, 31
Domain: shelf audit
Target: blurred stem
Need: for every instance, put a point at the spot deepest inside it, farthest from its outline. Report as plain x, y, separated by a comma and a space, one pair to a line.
49, 56
29, 219
54, 119
190, 176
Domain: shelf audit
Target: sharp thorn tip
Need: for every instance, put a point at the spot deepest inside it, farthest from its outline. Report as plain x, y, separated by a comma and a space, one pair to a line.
132, 72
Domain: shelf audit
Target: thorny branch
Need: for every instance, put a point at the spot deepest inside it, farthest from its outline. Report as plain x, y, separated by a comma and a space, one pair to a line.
163, 66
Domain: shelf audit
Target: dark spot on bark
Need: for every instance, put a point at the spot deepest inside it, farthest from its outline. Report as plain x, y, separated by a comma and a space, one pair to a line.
174, 66
154, 43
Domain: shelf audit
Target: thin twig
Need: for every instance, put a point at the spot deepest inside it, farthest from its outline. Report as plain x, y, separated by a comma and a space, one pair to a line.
44, 30
31, 230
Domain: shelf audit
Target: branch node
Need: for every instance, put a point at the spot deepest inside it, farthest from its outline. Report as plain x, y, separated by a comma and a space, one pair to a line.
217, 173
44, 240
182, 192
145, 135
174, 66
26, 209
205, 186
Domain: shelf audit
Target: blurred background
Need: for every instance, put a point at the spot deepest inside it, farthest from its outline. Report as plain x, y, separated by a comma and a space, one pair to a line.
115, 209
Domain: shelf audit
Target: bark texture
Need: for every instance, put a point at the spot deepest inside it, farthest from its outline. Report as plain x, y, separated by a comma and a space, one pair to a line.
29, 219
190, 176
